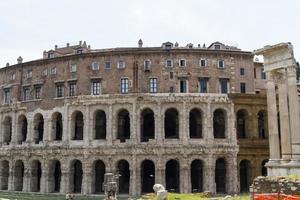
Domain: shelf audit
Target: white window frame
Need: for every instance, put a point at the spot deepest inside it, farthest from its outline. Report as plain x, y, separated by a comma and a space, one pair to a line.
95, 66
105, 66
186, 85
62, 86
12, 76
37, 95
29, 73
205, 62
45, 72
53, 70
74, 92
124, 85
96, 87
223, 61
228, 86
7, 95
26, 94
119, 66
182, 59
153, 85
73, 68
207, 84
147, 68
166, 64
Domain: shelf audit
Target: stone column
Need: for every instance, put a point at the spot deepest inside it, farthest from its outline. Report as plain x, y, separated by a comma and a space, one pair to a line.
133, 125
184, 130
132, 184
45, 178
65, 185
160, 172
159, 123
286, 148
208, 125
87, 178
14, 134
1, 129
11, 177
254, 125
272, 119
110, 133
294, 111
27, 178
209, 175
86, 132
66, 126
231, 175
184, 180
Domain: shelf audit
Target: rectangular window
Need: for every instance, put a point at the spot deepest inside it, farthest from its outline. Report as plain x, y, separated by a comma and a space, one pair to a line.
124, 85
72, 89
217, 47
183, 86
59, 90
263, 74
153, 85
53, 71
95, 66
29, 73
51, 55
182, 62
243, 87
224, 85
6, 96
12, 76
45, 72
203, 82
171, 89
171, 75
169, 63
203, 63
96, 88
26, 94
242, 71
73, 68
221, 64
37, 92
121, 64
107, 65
147, 65
254, 72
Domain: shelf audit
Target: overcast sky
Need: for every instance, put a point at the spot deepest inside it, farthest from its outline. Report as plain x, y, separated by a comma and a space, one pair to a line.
28, 27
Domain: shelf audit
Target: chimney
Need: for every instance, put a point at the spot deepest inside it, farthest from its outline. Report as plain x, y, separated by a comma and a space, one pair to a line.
204, 46
55, 47
20, 60
176, 44
89, 46
140, 43
80, 43
7, 64
68, 44
199, 45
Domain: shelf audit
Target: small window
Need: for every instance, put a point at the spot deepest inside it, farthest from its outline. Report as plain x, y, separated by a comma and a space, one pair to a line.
51, 55
73, 68
121, 64
183, 86
95, 66
37, 92
169, 63
221, 64
153, 85
124, 85
107, 65
171, 75
171, 89
203, 63
147, 65
26, 94
12, 76
45, 72
217, 47
96, 87
243, 87
224, 85
59, 90
263, 74
242, 71
182, 62
29, 73
72, 89
203, 83
53, 71
7, 97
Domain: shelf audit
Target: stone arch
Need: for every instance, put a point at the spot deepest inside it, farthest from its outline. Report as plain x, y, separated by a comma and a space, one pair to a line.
57, 126
262, 117
99, 125
147, 125
195, 122
4, 174
124, 176
98, 176
77, 124
36, 175
18, 175
76, 175
264, 171
245, 175
171, 125
38, 125
242, 123
220, 175
22, 129
54, 176
197, 175
123, 125
7, 130
173, 176
219, 123
147, 176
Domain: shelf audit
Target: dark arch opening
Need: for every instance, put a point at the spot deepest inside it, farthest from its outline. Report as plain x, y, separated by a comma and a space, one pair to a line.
220, 176
262, 124
147, 176
57, 126
195, 123
197, 176
171, 123
172, 176
36, 174
22, 126
76, 173
4, 175
147, 125
124, 176
219, 121
123, 125
18, 175
99, 171
78, 126
7, 130
264, 171
100, 125
241, 117
245, 175
38, 128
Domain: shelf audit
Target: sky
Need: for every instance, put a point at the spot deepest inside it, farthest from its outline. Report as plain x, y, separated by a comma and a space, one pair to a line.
28, 27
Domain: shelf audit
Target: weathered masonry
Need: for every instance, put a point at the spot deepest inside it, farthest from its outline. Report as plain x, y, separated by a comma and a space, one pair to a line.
191, 118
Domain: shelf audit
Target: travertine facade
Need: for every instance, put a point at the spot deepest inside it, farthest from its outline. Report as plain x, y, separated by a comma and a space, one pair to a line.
188, 118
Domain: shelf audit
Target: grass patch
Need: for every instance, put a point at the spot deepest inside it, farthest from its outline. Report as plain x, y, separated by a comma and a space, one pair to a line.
194, 196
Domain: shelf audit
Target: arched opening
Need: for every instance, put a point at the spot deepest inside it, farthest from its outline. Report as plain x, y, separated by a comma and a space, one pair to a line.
197, 176
4, 175
264, 171
38, 128
124, 176
18, 175
219, 123
123, 125
195, 123
262, 124
147, 176
54, 176
220, 176
241, 124
36, 174
7, 130
100, 125
147, 125
77, 125
57, 126
171, 123
172, 176
76, 176
245, 175
98, 177
22, 129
